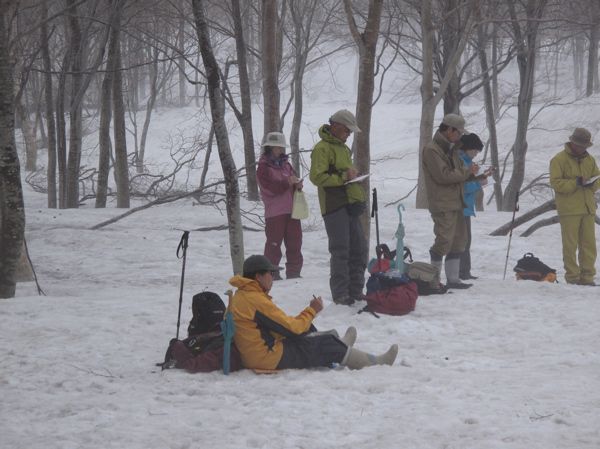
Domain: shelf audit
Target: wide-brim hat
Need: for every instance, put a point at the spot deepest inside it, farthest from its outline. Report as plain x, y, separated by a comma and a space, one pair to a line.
274, 139
258, 262
581, 137
455, 121
346, 118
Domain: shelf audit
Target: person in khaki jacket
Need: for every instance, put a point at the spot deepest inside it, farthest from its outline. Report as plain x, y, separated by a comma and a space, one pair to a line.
444, 175
571, 176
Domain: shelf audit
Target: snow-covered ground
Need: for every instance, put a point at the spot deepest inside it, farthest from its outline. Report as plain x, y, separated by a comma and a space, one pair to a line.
506, 364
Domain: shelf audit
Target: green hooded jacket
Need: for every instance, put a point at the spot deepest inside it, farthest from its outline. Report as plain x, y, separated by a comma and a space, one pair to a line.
572, 199
330, 159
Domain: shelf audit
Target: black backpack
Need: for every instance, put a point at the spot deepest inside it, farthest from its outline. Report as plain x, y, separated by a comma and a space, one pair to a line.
208, 310
204, 336
531, 268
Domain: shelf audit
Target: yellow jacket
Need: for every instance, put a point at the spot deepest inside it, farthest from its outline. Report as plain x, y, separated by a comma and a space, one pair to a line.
261, 326
572, 199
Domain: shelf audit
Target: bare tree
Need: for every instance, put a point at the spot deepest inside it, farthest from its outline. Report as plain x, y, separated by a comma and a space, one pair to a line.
245, 116
217, 107
592, 73
12, 211
525, 25
49, 107
121, 166
430, 96
270, 65
366, 42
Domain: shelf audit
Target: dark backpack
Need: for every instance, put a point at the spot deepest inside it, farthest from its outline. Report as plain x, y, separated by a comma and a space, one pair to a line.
531, 268
202, 350
208, 310
390, 295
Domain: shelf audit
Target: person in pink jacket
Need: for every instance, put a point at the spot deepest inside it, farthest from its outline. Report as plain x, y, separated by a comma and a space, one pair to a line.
277, 181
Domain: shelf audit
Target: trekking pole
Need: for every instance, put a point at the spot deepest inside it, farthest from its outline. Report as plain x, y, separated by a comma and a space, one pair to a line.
512, 223
183, 244
375, 213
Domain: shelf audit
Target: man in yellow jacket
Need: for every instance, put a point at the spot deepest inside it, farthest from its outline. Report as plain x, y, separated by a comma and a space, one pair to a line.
268, 338
572, 173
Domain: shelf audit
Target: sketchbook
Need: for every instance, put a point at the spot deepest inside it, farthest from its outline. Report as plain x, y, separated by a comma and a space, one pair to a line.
358, 178
592, 180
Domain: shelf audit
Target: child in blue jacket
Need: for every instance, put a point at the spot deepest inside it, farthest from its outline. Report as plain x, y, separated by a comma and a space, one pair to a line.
470, 145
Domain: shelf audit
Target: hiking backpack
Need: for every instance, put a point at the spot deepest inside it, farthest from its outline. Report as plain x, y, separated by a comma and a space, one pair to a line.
203, 349
531, 268
425, 275
390, 295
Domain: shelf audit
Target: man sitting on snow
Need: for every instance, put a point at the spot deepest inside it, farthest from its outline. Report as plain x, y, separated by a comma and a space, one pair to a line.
268, 338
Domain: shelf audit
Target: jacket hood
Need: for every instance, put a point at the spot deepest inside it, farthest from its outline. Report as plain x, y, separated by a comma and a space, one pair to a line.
243, 283
325, 134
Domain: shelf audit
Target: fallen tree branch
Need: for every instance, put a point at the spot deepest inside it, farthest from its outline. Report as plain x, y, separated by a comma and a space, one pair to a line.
540, 224
224, 227
163, 200
404, 197
505, 228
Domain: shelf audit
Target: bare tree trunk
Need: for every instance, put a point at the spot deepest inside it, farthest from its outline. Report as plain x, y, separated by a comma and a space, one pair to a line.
490, 115
526, 42
49, 111
366, 43
75, 118
495, 93
12, 210
28, 130
217, 108
269, 52
578, 44
181, 64
139, 162
121, 166
104, 143
246, 116
61, 131
592, 71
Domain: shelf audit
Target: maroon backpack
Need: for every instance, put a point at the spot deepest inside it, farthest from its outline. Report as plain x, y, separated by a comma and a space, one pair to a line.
398, 299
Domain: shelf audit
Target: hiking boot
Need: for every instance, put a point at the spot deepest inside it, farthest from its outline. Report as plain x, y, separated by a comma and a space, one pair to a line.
458, 285
589, 284
360, 297
276, 276
293, 276
466, 277
343, 301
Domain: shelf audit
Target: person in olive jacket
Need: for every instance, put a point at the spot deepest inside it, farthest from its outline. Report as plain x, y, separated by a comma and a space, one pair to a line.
445, 174
341, 204
571, 176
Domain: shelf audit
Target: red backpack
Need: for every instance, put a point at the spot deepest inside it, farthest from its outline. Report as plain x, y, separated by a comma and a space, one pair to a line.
391, 296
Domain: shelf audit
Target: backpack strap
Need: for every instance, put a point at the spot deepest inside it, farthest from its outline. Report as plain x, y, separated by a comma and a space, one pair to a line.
366, 309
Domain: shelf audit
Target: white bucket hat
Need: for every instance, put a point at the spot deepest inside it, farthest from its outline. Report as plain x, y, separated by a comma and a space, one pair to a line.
274, 139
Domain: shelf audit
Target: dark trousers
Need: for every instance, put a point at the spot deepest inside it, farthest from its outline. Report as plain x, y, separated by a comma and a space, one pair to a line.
282, 228
465, 257
348, 250
310, 351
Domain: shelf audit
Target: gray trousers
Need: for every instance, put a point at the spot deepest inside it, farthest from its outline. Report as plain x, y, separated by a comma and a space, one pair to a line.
349, 252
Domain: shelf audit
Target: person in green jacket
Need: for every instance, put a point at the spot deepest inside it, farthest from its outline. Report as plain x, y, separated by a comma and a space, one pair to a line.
574, 178
341, 204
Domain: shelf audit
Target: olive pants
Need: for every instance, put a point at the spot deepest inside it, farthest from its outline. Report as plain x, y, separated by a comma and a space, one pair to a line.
450, 231
579, 247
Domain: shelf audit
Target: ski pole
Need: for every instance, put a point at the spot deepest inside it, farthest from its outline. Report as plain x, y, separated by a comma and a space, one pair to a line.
375, 213
183, 244
512, 223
